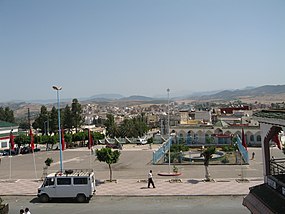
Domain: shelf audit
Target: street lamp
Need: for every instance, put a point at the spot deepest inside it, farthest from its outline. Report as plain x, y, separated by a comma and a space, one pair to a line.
46, 127
57, 88
168, 90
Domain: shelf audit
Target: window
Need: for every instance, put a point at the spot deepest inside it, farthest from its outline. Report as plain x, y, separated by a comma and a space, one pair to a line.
63, 181
258, 138
78, 181
4, 144
49, 182
251, 138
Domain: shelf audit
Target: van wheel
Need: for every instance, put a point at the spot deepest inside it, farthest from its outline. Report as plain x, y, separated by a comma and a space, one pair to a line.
81, 198
44, 198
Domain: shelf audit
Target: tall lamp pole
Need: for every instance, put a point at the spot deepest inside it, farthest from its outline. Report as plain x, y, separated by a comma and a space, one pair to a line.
57, 88
168, 128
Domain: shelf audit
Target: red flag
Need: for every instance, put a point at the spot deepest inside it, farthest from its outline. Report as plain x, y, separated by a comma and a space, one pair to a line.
243, 139
12, 144
32, 140
62, 140
90, 141
276, 139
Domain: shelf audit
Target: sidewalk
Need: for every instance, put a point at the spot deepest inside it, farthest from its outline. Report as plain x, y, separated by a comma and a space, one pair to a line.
133, 187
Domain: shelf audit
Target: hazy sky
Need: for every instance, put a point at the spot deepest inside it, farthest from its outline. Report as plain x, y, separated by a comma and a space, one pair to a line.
138, 47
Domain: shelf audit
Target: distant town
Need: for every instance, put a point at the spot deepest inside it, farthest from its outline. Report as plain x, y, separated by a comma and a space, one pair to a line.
191, 121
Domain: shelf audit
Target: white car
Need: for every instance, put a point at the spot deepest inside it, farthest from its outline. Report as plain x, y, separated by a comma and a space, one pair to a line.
76, 184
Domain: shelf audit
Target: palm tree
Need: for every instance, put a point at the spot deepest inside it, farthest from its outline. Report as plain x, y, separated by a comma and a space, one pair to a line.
207, 154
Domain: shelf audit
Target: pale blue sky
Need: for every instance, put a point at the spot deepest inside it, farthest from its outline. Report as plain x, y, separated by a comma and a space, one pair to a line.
138, 47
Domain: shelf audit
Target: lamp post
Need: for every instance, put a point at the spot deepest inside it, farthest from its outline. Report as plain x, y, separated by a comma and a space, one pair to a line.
57, 88
168, 129
46, 127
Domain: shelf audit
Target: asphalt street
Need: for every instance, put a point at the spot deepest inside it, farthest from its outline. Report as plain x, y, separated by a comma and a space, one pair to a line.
130, 205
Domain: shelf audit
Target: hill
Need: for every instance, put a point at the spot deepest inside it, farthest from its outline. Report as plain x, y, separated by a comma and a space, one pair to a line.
262, 91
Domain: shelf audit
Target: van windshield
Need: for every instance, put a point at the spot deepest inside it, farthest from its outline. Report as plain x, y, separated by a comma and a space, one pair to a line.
49, 182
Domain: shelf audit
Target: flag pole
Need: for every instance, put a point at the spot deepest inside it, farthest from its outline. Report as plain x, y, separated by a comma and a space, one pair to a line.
242, 177
90, 146
90, 158
32, 143
32, 147
35, 165
10, 156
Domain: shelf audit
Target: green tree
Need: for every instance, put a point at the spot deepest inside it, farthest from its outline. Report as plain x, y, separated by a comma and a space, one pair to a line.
41, 120
2, 114
135, 127
68, 120
140, 127
108, 156
24, 125
49, 140
97, 136
76, 111
126, 128
22, 139
7, 115
79, 136
207, 154
53, 125
111, 127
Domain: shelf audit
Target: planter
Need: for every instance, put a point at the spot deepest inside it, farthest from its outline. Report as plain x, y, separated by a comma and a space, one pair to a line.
4, 208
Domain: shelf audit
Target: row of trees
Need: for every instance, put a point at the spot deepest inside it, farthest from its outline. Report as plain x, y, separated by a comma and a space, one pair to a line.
23, 139
6, 114
70, 117
128, 128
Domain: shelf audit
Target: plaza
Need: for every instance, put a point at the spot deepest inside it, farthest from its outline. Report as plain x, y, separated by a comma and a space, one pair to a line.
130, 174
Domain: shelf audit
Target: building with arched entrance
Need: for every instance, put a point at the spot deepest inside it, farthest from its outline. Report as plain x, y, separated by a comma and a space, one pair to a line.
216, 134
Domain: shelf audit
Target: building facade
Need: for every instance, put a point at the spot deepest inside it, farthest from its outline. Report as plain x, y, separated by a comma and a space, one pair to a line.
5, 129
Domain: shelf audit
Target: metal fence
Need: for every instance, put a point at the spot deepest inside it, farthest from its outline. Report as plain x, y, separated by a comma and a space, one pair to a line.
161, 151
277, 166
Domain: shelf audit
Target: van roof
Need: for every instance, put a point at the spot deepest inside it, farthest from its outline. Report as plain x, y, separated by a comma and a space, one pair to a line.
72, 173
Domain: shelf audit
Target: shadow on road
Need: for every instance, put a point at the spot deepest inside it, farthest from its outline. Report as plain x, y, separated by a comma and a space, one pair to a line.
193, 181
57, 200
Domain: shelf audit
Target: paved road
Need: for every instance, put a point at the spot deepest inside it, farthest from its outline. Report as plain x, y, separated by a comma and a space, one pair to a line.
130, 205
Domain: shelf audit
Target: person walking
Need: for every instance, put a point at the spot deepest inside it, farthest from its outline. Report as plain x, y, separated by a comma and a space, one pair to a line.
150, 179
252, 156
22, 211
27, 211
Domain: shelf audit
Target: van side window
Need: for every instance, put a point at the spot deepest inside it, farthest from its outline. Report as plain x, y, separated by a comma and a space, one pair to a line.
79, 181
63, 181
49, 182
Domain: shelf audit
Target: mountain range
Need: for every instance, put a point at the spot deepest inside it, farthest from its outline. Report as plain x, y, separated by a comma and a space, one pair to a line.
266, 90
249, 92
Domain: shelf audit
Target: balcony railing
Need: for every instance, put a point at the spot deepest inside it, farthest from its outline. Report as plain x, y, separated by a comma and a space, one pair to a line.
277, 166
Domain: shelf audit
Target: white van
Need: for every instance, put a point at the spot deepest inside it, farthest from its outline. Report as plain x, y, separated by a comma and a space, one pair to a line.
75, 183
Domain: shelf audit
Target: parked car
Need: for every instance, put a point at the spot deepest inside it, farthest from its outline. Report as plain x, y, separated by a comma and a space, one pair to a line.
25, 150
12, 152
114, 146
37, 149
3, 153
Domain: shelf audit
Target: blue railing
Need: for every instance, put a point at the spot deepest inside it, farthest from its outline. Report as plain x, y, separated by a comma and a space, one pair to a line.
161, 151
